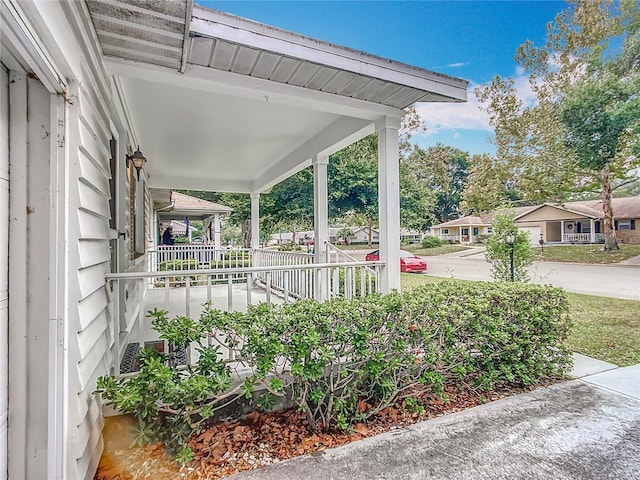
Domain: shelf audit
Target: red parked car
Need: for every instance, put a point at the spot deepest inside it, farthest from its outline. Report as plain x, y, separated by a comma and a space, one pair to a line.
408, 261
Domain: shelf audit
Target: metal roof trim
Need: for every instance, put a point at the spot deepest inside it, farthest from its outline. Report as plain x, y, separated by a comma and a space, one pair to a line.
215, 24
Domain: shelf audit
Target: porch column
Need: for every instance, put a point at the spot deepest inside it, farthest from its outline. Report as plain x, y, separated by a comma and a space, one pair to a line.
255, 220
561, 231
320, 221
592, 229
216, 232
389, 202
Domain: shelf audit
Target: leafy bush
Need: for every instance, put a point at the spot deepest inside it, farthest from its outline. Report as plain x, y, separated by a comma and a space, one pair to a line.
482, 238
431, 242
498, 251
290, 247
189, 264
343, 360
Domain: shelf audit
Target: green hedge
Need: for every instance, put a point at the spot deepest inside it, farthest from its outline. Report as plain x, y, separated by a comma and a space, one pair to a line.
343, 354
431, 242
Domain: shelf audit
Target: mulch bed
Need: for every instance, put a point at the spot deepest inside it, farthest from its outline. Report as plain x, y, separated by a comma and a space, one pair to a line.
261, 439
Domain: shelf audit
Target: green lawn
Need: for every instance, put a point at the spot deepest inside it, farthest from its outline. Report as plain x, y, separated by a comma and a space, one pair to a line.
585, 253
604, 328
432, 252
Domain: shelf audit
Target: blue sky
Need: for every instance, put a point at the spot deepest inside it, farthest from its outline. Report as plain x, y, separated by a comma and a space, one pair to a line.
473, 39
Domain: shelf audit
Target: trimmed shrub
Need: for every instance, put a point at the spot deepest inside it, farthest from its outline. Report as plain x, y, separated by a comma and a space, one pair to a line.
431, 242
343, 360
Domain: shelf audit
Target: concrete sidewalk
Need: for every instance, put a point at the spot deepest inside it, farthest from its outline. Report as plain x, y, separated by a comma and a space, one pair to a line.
588, 428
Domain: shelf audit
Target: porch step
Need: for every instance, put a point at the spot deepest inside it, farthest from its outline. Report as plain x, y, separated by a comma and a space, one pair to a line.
130, 364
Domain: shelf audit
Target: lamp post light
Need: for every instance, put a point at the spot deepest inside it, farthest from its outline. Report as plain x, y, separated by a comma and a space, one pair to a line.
542, 242
511, 240
138, 160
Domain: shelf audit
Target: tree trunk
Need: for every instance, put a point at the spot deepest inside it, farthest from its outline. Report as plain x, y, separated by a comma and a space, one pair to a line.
610, 241
246, 233
370, 239
293, 234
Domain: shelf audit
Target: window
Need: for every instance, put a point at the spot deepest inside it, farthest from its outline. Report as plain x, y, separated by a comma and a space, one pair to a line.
489, 230
624, 225
445, 231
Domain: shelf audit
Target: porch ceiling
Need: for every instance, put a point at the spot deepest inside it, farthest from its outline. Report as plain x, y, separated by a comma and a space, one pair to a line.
222, 103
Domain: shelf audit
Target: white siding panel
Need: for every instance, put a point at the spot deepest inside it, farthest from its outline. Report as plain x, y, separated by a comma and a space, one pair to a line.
91, 279
93, 252
88, 337
93, 226
93, 174
93, 200
94, 112
97, 357
91, 307
89, 432
91, 142
88, 463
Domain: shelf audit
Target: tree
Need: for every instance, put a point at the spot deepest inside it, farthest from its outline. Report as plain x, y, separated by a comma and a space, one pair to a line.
582, 131
345, 233
290, 203
444, 170
489, 185
498, 251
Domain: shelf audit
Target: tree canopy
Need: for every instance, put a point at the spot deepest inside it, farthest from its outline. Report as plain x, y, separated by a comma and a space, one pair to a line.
581, 132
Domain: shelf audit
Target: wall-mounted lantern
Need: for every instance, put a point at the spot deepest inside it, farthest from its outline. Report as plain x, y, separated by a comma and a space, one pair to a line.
138, 160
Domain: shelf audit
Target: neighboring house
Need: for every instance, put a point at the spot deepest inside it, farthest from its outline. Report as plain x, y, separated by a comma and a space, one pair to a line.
571, 222
359, 235
410, 236
175, 207
216, 103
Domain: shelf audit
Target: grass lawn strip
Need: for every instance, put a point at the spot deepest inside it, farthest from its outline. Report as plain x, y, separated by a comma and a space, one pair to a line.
434, 251
585, 254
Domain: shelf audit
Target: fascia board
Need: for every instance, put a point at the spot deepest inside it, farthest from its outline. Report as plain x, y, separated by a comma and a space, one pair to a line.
213, 24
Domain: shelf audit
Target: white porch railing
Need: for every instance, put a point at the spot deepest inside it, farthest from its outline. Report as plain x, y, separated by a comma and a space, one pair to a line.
450, 238
184, 257
231, 289
577, 237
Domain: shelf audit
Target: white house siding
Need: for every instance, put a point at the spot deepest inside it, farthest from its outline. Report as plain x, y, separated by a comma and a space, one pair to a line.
4, 267
89, 337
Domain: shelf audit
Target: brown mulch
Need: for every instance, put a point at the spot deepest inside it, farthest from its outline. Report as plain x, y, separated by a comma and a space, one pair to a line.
261, 439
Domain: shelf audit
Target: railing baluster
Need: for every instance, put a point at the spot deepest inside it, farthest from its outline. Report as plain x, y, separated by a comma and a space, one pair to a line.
140, 285
268, 287
249, 285
230, 293
286, 285
187, 307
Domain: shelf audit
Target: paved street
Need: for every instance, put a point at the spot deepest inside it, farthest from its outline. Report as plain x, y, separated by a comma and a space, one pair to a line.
618, 281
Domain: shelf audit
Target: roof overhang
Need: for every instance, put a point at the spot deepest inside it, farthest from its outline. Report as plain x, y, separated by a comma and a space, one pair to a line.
221, 103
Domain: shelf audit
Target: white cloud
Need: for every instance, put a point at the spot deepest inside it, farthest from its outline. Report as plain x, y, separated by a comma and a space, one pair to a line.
468, 116
454, 116
457, 64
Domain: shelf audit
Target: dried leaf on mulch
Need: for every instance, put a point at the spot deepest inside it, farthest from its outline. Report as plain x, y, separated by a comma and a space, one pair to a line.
261, 439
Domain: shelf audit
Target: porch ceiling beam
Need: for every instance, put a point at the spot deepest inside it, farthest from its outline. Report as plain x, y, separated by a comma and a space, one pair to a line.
228, 83
199, 183
212, 24
339, 134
